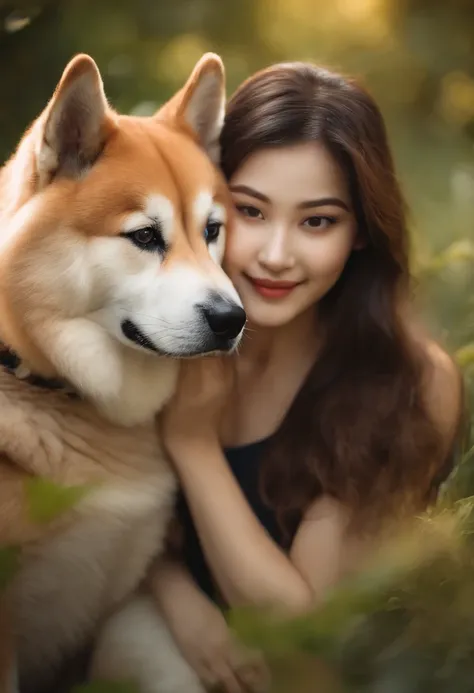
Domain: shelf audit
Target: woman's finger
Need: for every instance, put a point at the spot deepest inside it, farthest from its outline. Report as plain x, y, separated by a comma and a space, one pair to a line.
218, 676
251, 670
229, 682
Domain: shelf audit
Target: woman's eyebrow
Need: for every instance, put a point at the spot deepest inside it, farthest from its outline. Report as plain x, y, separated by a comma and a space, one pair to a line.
249, 191
324, 201
320, 202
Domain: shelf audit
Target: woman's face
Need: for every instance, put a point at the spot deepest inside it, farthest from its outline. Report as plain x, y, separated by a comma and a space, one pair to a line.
294, 231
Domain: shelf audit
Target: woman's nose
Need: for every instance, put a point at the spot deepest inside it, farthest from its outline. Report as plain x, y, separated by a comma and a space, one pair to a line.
276, 253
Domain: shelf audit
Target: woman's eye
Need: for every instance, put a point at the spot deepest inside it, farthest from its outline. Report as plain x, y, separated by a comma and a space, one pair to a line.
249, 211
319, 222
212, 231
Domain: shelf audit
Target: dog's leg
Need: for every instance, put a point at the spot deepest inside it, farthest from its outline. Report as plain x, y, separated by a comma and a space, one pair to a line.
136, 646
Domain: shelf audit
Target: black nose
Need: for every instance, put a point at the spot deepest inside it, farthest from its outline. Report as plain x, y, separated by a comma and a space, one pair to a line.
225, 319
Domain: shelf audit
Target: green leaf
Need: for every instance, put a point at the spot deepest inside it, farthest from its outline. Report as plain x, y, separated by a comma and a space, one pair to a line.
465, 355
458, 252
48, 500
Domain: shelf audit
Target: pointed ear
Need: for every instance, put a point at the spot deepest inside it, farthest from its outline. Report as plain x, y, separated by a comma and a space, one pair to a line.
200, 104
74, 125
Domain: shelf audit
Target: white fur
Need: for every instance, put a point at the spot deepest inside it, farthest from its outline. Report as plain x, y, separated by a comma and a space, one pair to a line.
88, 570
205, 208
164, 304
202, 208
136, 646
157, 208
95, 284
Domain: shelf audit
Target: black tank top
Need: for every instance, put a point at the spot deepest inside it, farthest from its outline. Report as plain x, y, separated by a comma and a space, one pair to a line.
245, 463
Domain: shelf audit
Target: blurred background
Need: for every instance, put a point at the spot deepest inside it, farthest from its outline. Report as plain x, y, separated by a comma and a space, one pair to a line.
417, 58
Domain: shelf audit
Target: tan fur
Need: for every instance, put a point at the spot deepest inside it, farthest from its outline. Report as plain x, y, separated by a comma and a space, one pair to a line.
80, 173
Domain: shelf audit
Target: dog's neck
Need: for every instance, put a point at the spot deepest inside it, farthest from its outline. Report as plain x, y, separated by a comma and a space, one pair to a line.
138, 396
13, 364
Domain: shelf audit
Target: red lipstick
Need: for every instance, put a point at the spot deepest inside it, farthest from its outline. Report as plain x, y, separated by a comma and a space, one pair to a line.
272, 289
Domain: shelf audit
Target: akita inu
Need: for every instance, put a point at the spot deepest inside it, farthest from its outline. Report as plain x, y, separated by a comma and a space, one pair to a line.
112, 230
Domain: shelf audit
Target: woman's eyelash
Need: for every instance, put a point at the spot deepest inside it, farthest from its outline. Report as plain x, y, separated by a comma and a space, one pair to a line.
323, 221
249, 211
320, 221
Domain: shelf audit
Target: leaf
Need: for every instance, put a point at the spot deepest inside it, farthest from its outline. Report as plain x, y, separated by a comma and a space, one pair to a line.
48, 500
457, 252
465, 355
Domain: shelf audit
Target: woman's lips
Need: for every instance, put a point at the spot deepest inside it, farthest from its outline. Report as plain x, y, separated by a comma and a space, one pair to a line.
272, 289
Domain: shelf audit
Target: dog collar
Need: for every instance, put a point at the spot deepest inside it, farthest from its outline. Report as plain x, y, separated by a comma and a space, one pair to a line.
12, 364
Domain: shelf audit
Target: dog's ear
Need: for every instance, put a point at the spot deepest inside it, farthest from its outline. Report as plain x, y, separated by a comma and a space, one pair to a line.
200, 104
75, 124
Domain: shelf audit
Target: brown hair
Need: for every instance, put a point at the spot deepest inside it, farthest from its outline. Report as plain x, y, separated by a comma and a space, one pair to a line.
359, 428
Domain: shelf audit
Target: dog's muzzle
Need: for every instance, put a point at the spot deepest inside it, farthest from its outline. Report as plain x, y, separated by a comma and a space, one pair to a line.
216, 327
135, 335
226, 319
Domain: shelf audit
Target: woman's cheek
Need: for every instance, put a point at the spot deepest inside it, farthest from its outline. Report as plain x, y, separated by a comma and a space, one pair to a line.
329, 255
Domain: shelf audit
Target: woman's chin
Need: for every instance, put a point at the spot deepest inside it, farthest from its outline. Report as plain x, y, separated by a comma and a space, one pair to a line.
268, 316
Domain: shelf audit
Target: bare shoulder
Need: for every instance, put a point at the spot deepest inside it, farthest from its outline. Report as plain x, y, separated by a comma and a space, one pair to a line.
443, 390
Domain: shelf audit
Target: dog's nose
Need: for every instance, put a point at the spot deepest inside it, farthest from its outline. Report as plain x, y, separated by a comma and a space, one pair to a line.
226, 319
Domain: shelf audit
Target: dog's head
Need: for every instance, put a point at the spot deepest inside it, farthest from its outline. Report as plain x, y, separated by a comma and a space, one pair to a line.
115, 226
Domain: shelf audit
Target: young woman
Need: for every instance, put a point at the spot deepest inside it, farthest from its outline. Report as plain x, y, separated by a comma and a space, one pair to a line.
337, 413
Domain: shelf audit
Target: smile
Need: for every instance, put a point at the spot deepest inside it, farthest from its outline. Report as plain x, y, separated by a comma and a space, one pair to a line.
272, 289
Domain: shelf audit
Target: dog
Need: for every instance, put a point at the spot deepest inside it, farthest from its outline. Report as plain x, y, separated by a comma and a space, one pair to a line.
112, 233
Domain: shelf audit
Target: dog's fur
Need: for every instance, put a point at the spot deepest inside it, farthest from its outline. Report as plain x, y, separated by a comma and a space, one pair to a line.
81, 302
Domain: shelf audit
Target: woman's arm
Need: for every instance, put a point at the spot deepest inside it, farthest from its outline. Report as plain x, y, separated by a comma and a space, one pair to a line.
247, 564
201, 633
444, 395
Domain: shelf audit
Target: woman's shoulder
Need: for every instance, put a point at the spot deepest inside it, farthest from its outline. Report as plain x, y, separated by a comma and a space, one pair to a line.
442, 389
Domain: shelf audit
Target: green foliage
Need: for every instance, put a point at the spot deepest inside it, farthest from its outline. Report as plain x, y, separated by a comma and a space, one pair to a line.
406, 624
47, 500
465, 355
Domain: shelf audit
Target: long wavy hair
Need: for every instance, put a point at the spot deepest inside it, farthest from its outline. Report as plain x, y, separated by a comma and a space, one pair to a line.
359, 429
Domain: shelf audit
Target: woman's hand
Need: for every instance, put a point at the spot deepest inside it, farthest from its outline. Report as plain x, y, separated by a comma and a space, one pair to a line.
202, 635
209, 647
193, 418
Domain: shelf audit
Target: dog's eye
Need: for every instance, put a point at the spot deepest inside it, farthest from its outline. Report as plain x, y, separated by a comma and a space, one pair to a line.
212, 230
144, 236
148, 238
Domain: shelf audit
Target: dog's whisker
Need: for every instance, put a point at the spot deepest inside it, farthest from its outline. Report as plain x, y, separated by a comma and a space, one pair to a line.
142, 315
